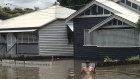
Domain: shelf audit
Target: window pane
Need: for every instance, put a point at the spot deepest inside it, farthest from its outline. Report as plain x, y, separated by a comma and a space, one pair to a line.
106, 11
100, 10
135, 6
87, 12
124, 23
114, 21
86, 37
119, 22
123, 1
94, 10
128, 3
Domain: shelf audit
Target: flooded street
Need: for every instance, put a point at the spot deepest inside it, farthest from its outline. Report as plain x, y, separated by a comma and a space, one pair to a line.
119, 72
60, 70
111, 72
55, 70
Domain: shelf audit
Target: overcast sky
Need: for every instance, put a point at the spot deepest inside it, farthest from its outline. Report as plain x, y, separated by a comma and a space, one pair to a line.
27, 3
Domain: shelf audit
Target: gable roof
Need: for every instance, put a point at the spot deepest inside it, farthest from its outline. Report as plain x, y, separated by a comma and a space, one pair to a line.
38, 18
107, 4
120, 17
135, 1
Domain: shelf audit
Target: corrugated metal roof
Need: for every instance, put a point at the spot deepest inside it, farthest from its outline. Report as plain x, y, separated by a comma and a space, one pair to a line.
116, 8
38, 18
129, 17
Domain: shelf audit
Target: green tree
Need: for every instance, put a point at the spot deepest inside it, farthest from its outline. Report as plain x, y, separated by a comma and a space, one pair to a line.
74, 4
6, 12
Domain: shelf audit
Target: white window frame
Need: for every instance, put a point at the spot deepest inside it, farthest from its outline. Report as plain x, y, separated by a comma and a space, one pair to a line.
85, 39
108, 46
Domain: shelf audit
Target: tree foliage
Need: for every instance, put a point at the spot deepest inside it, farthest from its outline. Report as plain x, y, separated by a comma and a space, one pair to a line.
6, 12
74, 4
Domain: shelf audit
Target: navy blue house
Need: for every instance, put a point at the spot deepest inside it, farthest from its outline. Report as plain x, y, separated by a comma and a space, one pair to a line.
106, 28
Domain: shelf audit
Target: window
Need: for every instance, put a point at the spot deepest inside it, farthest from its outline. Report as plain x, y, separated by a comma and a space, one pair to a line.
94, 10
114, 21
106, 11
29, 37
128, 3
86, 37
115, 37
134, 5
123, 1
87, 12
120, 22
100, 10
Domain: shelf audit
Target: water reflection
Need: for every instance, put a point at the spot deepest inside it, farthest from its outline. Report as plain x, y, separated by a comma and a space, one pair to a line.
57, 70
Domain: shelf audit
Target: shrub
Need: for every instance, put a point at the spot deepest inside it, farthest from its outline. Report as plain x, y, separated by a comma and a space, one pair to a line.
108, 59
133, 58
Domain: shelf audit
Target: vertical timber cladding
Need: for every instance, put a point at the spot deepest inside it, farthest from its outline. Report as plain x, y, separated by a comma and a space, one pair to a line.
81, 51
53, 40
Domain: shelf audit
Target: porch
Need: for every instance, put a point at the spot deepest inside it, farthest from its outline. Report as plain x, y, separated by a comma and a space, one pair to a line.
19, 42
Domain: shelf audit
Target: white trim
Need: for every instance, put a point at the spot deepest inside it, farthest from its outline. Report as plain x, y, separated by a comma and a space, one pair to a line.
90, 45
101, 23
113, 46
12, 31
110, 18
135, 1
136, 10
89, 5
98, 15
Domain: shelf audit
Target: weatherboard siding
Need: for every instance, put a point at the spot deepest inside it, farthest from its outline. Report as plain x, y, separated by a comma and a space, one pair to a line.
53, 40
84, 52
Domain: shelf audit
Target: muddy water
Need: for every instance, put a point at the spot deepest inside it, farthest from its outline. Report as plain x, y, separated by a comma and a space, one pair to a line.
111, 72
56, 70
60, 70
119, 72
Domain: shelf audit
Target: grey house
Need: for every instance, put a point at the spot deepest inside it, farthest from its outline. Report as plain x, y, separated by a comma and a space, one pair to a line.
42, 33
106, 28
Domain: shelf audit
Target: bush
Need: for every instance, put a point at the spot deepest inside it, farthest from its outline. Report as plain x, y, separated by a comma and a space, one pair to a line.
108, 59
133, 58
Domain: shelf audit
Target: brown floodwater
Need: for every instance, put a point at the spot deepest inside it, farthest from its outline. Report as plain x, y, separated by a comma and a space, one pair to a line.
52, 70
60, 70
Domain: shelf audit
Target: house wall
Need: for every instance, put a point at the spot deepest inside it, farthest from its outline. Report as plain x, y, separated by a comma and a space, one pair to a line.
94, 52
53, 40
